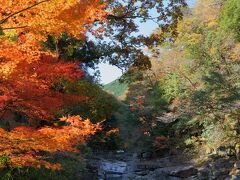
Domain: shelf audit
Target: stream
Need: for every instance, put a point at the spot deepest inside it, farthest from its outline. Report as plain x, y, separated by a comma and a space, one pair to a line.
128, 166
112, 170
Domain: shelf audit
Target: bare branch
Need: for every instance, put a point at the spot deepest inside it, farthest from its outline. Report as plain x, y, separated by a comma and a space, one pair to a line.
18, 12
9, 28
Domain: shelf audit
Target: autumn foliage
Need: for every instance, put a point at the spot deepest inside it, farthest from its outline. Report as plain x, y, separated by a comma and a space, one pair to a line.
26, 146
28, 74
32, 78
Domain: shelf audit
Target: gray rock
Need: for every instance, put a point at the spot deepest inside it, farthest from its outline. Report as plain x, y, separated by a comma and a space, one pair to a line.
162, 177
146, 155
151, 166
141, 178
192, 178
220, 172
222, 153
142, 173
176, 172
113, 166
185, 172
235, 177
237, 165
113, 176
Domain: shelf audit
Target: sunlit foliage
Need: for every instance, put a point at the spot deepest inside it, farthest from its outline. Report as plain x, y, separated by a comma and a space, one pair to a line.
32, 78
29, 74
200, 71
25, 146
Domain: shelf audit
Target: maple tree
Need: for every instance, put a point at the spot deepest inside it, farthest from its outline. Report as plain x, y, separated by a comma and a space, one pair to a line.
32, 78
29, 74
26, 146
121, 40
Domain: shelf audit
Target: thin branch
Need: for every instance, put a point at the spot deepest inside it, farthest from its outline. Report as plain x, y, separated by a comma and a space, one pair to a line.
18, 12
111, 16
9, 28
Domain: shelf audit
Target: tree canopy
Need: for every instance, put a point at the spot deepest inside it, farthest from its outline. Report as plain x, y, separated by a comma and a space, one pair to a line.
182, 82
31, 76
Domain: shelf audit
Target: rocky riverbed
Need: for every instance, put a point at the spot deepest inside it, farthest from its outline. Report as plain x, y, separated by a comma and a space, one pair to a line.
129, 166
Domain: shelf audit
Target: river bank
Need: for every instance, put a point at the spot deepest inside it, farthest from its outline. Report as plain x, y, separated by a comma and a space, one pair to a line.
129, 166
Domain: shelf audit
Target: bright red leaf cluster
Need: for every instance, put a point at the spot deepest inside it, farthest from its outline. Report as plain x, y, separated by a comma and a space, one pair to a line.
30, 77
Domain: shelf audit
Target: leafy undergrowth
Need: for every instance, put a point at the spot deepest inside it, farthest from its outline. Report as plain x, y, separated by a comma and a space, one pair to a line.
73, 167
25, 147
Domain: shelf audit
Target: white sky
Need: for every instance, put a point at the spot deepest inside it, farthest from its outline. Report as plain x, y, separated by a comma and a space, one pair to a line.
109, 73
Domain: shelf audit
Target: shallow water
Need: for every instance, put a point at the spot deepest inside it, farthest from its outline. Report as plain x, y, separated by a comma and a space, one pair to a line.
112, 169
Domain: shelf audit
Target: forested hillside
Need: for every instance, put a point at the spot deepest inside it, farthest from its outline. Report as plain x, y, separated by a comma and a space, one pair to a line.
174, 114
117, 88
198, 74
190, 97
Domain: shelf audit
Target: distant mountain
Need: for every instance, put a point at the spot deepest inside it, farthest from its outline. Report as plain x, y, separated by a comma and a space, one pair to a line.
116, 88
